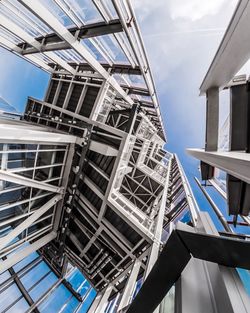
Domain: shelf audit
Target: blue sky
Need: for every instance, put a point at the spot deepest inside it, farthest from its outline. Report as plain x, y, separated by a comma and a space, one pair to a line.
181, 38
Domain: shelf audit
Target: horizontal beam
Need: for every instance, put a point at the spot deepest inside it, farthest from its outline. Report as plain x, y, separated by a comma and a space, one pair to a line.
234, 163
136, 90
20, 133
114, 69
53, 42
21, 180
4, 265
233, 52
102, 148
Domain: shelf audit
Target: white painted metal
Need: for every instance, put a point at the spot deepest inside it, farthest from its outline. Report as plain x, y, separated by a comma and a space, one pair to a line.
43, 13
102, 148
158, 226
21, 133
21, 180
233, 52
192, 204
130, 285
233, 162
4, 241
104, 300
10, 261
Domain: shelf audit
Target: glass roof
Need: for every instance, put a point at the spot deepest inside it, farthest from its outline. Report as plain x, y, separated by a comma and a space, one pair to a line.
124, 47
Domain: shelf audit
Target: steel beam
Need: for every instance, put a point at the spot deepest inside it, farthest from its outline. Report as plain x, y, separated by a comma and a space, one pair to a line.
53, 42
192, 204
215, 208
130, 285
104, 300
26, 251
20, 133
212, 119
21, 180
158, 226
4, 241
48, 18
114, 69
233, 51
234, 163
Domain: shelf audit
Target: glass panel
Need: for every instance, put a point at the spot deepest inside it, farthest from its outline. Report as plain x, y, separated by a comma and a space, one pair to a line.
20, 307
34, 275
88, 301
10, 37
57, 12
85, 11
115, 51
56, 300
111, 8
92, 49
43, 286
245, 277
21, 22
8, 296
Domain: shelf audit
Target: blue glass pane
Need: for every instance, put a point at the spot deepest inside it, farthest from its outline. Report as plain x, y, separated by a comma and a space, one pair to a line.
25, 261
79, 283
71, 305
35, 274
8, 296
43, 286
88, 301
20, 307
186, 218
245, 277
57, 12
4, 276
85, 10
56, 301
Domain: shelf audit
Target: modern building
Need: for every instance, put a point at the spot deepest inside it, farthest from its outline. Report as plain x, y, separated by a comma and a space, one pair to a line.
88, 193
95, 215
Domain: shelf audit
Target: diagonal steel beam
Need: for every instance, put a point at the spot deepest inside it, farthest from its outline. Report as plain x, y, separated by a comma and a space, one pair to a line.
15, 29
21, 180
4, 241
4, 265
48, 18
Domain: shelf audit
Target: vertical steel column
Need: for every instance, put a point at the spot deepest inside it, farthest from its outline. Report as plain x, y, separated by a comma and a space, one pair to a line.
95, 303
130, 285
208, 287
215, 208
4, 164
212, 119
159, 225
101, 306
192, 204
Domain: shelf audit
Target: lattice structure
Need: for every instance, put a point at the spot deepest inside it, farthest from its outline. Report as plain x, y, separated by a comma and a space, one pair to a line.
90, 183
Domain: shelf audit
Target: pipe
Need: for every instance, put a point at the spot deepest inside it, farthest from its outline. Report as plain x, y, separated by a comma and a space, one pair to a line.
215, 208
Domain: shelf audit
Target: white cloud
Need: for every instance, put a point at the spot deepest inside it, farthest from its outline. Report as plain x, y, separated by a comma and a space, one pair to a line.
195, 9
181, 38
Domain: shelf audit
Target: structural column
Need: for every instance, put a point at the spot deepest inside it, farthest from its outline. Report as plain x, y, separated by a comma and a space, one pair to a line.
208, 287
130, 285
100, 303
212, 119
